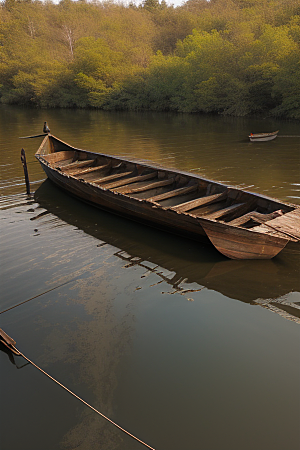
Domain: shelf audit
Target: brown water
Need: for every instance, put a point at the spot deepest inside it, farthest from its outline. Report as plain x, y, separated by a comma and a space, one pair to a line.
182, 347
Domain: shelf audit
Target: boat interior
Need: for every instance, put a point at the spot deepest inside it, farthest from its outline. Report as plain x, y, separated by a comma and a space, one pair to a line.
169, 189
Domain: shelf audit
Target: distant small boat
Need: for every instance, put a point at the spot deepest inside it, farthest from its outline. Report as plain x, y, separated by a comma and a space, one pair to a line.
263, 136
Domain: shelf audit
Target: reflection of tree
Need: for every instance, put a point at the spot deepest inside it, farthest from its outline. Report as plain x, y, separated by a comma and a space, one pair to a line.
91, 344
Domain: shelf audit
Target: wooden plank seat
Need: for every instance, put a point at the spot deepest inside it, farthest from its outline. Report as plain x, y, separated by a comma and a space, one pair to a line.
223, 212
88, 170
75, 165
60, 158
253, 215
207, 209
174, 193
126, 182
103, 180
148, 187
201, 201
283, 225
64, 163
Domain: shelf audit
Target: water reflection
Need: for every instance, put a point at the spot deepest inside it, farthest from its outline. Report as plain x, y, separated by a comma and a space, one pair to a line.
17, 361
185, 266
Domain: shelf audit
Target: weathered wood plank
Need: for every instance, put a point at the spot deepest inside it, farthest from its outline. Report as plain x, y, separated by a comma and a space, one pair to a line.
64, 163
201, 201
125, 183
59, 156
174, 193
111, 177
253, 215
76, 166
88, 170
288, 223
223, 212
150, 186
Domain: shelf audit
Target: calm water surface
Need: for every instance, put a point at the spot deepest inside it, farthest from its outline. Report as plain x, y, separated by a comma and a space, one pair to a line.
182, 347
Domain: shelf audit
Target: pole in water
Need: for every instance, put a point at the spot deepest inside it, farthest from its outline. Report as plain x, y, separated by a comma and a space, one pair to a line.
23, 160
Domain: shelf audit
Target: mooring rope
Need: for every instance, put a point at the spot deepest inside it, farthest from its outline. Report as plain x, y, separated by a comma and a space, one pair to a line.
17, 352
36, 296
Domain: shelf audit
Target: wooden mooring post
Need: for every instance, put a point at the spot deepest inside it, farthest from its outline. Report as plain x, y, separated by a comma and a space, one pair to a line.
23, 160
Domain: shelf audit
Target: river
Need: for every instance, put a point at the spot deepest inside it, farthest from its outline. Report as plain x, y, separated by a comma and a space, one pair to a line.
178, 345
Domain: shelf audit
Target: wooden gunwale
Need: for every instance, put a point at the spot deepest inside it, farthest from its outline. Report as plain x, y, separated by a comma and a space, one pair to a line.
176, 219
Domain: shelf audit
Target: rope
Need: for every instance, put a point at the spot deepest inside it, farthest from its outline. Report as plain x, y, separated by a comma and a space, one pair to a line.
36, 296
80, 399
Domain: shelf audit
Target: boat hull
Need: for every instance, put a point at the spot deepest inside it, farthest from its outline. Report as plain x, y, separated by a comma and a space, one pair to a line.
133, 209
262, 137
237, 243
171, 200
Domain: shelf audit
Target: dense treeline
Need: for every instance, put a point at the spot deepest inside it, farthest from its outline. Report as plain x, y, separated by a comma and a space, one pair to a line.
234, 57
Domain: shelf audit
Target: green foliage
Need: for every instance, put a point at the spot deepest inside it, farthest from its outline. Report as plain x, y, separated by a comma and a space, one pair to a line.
234, 57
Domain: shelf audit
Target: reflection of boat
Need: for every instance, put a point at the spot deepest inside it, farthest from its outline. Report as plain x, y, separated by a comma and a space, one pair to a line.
260, 137
174, 200
178, 262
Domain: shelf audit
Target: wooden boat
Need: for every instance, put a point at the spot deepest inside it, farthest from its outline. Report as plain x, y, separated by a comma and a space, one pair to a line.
259, 137
240, 224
